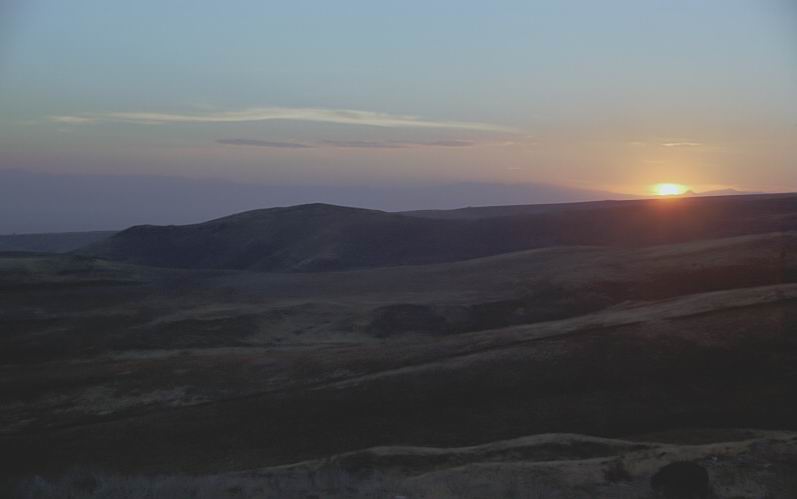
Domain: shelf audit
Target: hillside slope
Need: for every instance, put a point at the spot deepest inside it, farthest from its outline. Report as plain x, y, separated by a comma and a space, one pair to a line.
56, 242
738, 463
493, 211
718, 360
322, 237
127, 367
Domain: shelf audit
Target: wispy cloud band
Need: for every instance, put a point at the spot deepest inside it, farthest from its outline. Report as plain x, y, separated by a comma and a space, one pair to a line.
264, 143
667, 143
318, 115
682, 144
348, 144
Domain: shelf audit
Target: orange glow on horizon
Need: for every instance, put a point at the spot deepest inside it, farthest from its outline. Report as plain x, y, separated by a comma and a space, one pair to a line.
669, 189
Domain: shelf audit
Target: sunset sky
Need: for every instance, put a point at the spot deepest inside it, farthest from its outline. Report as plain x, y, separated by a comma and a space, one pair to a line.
614, 95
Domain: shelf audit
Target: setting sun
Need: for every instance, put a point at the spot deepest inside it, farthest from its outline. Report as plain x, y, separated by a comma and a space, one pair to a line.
669, 189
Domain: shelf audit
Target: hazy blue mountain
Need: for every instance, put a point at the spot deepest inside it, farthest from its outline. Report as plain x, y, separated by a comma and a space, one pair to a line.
56, 242
722, 192
47, 202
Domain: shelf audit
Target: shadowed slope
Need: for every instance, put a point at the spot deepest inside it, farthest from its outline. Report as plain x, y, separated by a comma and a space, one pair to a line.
56, 242
551, 466
320, 237
152, 369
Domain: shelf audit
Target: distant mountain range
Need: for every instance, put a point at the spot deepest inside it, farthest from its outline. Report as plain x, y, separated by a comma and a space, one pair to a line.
59, 242
48, 202
722, 192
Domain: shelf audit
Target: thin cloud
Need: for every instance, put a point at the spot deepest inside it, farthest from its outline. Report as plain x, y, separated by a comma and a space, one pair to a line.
364, 144
347, 144
453, 143
396, 144
72, 120
319, 115
682, 144
264, 143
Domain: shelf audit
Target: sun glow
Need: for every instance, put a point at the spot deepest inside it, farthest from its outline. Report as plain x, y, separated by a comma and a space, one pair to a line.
668, 189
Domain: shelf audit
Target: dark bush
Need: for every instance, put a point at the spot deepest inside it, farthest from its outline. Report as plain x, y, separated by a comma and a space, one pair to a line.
681, 480
616, 472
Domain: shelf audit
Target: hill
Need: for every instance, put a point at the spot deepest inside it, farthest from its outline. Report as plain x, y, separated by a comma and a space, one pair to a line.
321, 237
290, 379
125, 367
738, 463
50, 202
715, 198
55, 242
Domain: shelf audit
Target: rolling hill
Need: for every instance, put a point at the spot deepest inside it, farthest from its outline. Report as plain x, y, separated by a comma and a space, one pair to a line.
426, 376
319, 237
55, 242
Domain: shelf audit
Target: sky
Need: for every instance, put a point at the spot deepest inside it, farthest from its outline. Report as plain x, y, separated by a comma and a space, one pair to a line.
614, 95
